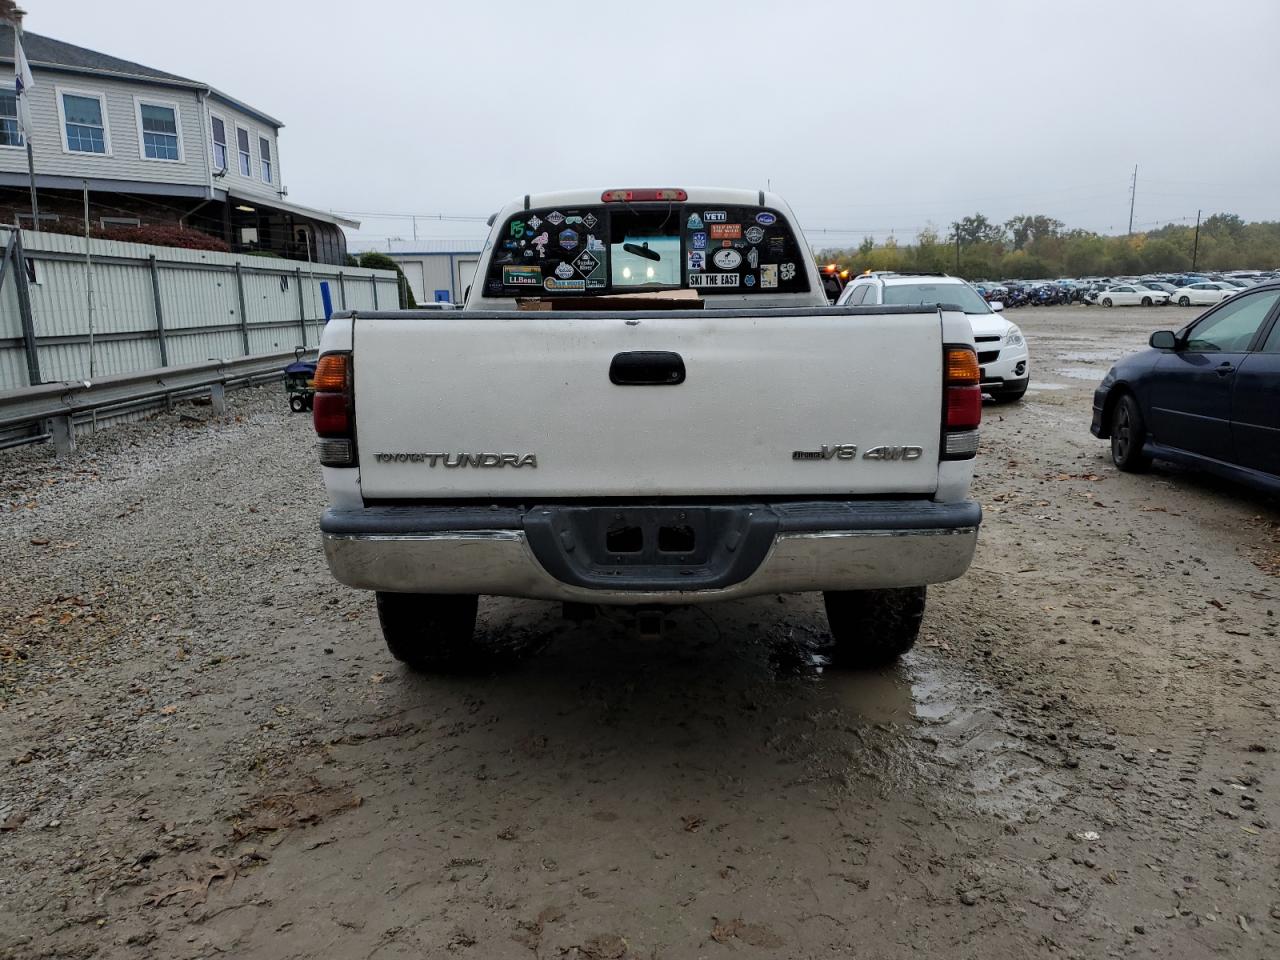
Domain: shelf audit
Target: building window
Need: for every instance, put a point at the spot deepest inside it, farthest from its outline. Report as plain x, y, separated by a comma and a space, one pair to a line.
219, 143
84, 124
158, 129
264, 154
242, 145
10, 135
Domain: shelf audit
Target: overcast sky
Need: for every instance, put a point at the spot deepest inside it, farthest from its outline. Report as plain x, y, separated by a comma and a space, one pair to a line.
868, 117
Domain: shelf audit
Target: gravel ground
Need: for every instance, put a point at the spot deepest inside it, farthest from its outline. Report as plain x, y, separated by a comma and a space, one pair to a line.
207, 751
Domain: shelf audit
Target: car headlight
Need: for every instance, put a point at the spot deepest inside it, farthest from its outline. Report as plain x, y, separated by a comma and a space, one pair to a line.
1013, 338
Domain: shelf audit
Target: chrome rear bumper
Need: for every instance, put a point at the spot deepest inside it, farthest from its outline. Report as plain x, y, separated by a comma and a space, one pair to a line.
501, 561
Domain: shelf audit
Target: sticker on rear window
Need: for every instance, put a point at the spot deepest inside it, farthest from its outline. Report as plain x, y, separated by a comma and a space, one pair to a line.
727, 259
713, 279
522, 276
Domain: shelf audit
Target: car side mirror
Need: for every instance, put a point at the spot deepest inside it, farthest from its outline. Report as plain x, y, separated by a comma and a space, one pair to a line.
1164, 340
996, 305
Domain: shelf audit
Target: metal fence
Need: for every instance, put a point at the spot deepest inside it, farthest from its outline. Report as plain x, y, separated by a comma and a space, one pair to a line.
158, 306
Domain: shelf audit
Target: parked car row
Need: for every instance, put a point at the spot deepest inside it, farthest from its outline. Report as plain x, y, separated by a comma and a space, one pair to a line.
1151, 290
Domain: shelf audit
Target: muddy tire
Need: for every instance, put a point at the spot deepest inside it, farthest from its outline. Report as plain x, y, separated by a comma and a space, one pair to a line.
1128, 434
430, 632
873, 628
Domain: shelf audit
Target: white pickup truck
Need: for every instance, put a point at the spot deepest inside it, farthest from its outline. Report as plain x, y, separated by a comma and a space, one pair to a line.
647, 401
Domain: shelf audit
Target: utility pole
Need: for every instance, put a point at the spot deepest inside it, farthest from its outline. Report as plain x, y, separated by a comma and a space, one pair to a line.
1195, 250
1133, 192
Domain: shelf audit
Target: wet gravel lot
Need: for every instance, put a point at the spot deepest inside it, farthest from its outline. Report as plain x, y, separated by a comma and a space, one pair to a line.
206, 750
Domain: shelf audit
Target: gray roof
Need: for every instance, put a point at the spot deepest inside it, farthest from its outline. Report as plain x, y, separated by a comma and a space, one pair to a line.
55, 54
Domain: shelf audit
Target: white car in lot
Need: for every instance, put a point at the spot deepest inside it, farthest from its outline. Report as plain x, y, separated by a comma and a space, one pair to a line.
1132, 295
1005, 365
1205, 292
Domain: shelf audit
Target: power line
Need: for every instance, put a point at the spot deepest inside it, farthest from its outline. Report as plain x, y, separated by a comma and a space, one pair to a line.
414, 216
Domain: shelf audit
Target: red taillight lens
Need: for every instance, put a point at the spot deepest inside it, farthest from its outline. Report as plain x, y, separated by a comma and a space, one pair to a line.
330, 415
964, 408
963, 402
331, 409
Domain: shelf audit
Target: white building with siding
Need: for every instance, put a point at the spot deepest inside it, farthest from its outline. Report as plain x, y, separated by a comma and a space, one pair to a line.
155, 147
438, 269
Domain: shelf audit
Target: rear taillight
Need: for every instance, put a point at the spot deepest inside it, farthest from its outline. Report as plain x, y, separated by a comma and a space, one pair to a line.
332, 410
962, 410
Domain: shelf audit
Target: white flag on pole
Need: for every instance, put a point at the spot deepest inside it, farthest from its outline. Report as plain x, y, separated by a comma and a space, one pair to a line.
23, 83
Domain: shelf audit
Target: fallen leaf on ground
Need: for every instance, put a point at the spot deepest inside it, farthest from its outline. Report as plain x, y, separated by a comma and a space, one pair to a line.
169, 710
753, 934
692, 823
607, 946
217, 870
280, 811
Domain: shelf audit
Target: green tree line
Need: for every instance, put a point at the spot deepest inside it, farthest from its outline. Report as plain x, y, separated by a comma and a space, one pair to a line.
1033, 246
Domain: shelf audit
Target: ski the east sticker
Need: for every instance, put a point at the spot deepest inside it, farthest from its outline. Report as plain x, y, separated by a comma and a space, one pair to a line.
713, 279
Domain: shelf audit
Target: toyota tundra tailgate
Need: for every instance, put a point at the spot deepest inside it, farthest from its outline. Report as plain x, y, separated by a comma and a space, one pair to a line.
503, 404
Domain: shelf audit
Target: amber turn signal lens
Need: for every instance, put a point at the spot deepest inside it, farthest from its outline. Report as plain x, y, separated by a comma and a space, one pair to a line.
962, 367
331, 373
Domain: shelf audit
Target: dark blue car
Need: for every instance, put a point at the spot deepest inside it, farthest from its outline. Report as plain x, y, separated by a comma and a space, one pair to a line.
1207, 396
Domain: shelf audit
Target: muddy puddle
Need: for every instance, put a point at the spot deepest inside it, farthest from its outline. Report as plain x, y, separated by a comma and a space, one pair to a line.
1092, 356
951, 729
1080, 373
751, 679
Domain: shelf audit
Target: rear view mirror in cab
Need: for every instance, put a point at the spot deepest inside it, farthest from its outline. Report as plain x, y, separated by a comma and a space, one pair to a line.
1164, 340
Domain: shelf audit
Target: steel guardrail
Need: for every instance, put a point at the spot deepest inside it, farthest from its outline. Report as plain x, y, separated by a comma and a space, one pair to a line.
68, 398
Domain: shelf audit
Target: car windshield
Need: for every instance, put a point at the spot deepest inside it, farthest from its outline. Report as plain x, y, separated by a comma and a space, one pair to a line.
959, 294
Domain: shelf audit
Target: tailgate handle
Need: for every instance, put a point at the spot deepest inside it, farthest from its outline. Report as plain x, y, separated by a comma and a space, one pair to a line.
647, 368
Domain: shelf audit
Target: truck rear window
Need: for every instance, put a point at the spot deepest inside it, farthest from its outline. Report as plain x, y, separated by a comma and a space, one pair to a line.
616, 248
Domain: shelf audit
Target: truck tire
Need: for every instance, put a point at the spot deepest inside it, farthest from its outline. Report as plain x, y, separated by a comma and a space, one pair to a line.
873, 628
430, 632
